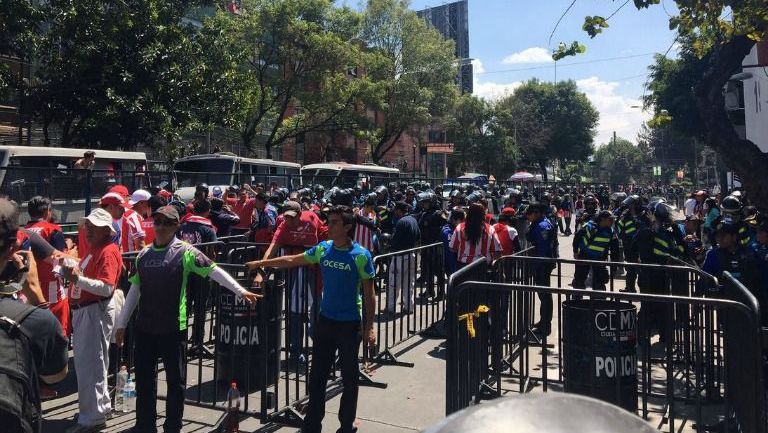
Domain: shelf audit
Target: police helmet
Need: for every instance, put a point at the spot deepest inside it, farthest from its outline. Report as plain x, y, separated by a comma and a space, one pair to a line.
632, 201
423, 196
731, 204
662, 211
382, 190
371, 199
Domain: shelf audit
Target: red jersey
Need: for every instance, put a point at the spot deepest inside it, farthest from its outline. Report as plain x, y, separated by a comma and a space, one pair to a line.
244, 209
52, 286
364, 235
148, 225
308, 232
131, 231
467, 252
103, 264
506, 236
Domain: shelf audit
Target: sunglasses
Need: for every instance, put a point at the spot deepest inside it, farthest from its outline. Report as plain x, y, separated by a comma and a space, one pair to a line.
164, 223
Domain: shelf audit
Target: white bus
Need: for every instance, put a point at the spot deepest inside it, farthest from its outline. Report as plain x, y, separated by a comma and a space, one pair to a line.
343, 175
225, 169
27, 171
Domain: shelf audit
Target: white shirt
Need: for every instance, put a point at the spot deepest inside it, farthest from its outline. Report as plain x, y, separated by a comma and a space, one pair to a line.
690, 205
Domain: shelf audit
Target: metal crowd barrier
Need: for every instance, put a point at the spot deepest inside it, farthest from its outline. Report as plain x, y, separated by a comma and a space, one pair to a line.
709, 360
268, 351
410, 287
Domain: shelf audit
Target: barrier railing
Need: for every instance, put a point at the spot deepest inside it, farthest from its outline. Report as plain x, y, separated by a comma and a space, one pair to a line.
697, 358
403, 311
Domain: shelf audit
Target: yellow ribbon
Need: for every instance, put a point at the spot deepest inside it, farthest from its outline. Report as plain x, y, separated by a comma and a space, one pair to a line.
470, 318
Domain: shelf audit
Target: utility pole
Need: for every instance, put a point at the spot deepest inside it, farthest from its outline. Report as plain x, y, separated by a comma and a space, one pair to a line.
614, 138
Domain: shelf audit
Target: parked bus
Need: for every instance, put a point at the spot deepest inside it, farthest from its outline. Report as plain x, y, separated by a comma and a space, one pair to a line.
225, 169
343, 175
27, 171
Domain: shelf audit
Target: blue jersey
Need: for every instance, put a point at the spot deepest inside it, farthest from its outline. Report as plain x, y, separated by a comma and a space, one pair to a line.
542, 237
343, 272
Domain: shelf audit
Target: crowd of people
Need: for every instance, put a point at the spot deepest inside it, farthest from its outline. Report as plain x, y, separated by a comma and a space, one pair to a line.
85, 284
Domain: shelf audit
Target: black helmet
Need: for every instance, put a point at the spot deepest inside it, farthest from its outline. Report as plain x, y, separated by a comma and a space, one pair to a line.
632, 201
590, 200
319, 189
475, 197
653, 201
423, 196
731, 204
382, 190
371, 198
341, 197
618, 196
662, 211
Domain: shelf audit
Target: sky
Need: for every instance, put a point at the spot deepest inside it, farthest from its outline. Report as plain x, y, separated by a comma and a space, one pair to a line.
509, 35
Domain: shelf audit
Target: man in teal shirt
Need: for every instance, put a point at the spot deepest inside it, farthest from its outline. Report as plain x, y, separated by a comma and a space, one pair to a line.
347, 271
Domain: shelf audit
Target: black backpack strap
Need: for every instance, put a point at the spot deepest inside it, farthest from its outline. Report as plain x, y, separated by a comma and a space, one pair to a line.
13, 323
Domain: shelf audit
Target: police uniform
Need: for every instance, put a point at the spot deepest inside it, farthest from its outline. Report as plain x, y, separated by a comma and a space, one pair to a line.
594, 243
542, 236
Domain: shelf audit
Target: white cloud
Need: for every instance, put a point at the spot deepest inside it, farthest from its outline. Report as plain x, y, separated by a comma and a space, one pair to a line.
616, 110
490, 90
529, 55
477, 66
493, 91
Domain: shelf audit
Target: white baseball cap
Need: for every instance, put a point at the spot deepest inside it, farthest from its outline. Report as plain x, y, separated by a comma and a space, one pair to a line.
139, 195
101, 218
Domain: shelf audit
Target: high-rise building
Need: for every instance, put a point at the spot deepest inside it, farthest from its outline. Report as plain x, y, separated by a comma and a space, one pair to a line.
452, 21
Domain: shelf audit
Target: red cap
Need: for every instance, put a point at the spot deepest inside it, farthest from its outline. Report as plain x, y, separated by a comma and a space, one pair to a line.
165, 194
112, 198
122, 190
508, 211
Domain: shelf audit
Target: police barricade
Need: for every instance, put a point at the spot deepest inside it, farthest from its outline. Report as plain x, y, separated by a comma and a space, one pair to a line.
601, 352
410, 287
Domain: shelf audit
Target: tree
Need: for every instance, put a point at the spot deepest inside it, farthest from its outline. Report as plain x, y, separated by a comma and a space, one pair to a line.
620, 161
279, 69
722, 33
413, 71
480, 142
113, 75
549, 121
19, 21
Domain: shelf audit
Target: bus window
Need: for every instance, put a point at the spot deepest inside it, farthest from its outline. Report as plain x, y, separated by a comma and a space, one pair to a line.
192, 172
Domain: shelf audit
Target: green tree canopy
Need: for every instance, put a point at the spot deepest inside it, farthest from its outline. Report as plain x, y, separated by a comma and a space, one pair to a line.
620, 161
549, 121
413, 71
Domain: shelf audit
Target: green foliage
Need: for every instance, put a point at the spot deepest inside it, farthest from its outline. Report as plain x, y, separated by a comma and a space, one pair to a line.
568, 50
115, 75
19, 21
412, 69
549, 121
481, 144
620, 161
279, 69
594, 25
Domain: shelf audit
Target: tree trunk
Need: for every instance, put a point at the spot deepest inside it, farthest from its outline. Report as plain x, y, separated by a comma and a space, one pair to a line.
543, 166
741, 156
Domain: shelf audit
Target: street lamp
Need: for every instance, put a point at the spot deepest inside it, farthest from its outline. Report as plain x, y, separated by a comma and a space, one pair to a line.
414, 160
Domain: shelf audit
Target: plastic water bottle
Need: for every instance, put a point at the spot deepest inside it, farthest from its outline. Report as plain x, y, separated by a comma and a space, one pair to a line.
232, 422
122, 380
129, 396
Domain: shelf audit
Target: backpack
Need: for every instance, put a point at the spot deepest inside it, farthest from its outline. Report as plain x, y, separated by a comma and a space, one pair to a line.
19, 391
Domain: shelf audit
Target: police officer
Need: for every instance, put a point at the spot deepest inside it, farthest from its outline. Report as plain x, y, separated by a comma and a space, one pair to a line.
594, 242
730, 255
631, 220
591, 206
542, 236
656, 243
431, 223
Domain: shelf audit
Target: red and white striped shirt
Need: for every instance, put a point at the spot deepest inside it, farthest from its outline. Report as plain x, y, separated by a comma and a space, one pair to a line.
506, 236
467, 252
131, 231
363, 234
